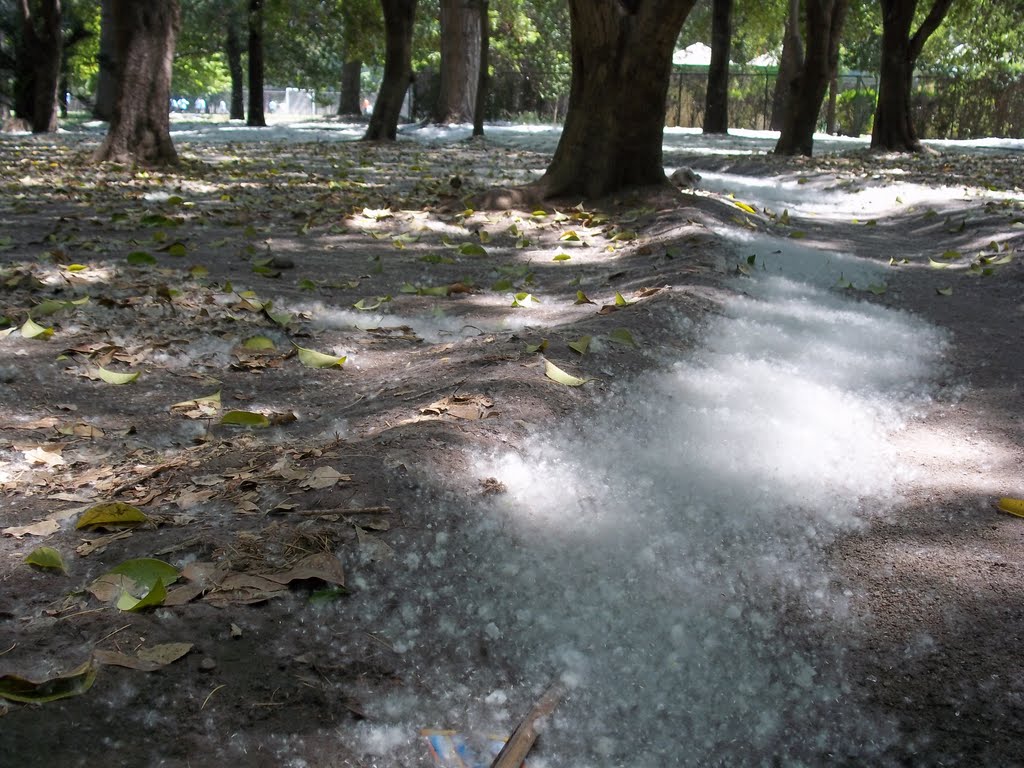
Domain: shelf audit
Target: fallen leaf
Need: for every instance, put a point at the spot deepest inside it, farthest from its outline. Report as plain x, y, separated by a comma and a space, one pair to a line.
46, 557
320, 565
42, 528
1011, 506
555, 373
77, 681
146, 659
324, 477
245, 419
581, 345
313, 359
113, 377
109, 514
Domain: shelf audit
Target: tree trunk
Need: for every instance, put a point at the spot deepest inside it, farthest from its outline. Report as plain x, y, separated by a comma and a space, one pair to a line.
621, 65
145, 35
256, 118
716, 103
399, 16
349, 102
106, 86
460, 61
824, 26
480, 110
894, 124
789, 65
39, 64
233, 51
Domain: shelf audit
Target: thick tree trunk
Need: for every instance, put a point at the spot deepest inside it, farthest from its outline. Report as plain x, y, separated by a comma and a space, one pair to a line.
233, 51
145, 35
824, 26
482, 84
716, 103
460, 61
621, 64
39, 63
349, 102
789, 65
256, 117
894, 124
399, 16
106, 85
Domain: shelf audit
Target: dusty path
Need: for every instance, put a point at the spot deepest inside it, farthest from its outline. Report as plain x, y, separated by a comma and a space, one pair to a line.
486, 555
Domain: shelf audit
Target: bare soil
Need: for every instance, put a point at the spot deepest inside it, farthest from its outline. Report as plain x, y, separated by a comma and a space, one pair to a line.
315, 229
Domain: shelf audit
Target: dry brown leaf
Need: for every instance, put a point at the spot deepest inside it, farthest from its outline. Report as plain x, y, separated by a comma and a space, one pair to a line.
460, 406
324, 477
95, 546
320, 565
147, 659
42, 528
49, 455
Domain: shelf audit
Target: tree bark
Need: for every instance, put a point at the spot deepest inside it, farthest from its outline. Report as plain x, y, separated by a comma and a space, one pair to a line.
824, 27
106, 85
40, 51
480, 110
256, 117
399, 16
233, 51
894, 123
145, 35
789, 65
621, 65
349, 102
716, 101
460, 61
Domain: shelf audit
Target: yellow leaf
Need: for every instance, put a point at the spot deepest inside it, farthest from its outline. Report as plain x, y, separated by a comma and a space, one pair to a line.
32, 330
744, 207
555, 373
111, 513
313, 359
113, 377
1011, 506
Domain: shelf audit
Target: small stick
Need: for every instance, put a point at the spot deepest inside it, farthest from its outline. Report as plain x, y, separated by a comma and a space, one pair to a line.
521, 741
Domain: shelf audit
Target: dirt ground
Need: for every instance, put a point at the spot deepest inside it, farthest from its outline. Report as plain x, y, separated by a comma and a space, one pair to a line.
339, 248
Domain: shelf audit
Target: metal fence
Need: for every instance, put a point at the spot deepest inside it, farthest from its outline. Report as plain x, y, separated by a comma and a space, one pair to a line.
944, 107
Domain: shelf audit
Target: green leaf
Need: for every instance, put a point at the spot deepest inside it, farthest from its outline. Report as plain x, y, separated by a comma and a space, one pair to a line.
111, 513
556, 374
113, 377
47, 307
46, 557
581, 298
624, 235
307, 285
878, 288
570, 236
313, 359
843, 284
798, 234
534, 348
502, 285
622, 336
245, 419
146, 572
472, 249
950, 255
259, 344
32, 330
620, 301
368, 305
524, 300
938, 264
76, 682
176, 249
948, 291
561, 256
152, 598
581, 345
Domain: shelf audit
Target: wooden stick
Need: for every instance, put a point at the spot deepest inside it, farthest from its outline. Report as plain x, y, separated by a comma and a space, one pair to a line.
521, 741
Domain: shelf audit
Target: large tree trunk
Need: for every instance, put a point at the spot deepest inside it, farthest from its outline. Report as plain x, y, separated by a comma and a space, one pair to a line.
145, 35
256, 117
482, 83
460, 61
39, 63
716, 101
399, 16
621, 64
894, 125
824, 26
106, 85
349, 102
233, 51
789, 65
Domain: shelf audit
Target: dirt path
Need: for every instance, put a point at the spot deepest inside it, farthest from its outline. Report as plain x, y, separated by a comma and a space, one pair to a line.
442, 375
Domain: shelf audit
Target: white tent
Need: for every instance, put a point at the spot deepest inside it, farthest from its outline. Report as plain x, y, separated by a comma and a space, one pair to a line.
765, 60
696, 55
